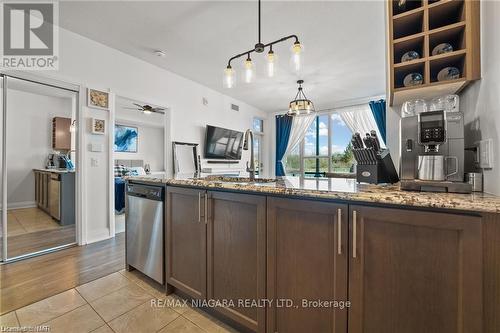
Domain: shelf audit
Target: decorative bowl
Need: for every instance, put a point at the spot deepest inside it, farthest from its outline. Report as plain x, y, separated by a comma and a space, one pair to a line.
448, 73
409, 56
442, 48
413, 79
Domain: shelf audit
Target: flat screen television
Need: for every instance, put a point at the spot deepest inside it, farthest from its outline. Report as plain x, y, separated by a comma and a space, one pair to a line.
223, 143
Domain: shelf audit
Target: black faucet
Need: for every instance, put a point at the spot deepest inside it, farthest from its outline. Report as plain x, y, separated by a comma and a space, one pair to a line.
251, 167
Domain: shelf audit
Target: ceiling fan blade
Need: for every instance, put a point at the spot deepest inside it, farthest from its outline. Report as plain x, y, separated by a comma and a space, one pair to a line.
138, 105
157, 109
128, 108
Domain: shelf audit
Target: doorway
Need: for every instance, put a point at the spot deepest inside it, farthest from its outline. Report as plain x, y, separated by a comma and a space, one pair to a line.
140, 147
39, 167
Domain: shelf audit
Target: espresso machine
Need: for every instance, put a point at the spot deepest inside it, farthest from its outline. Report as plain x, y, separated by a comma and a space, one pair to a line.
432, 152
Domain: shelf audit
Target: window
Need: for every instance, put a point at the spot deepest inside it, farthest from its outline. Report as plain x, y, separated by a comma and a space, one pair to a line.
325, 149
258, 130
258, 125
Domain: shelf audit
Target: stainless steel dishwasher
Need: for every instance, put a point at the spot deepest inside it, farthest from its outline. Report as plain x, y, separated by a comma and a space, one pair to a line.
144, 229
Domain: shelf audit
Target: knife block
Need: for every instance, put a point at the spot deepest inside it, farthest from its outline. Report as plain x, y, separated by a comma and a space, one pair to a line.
375, 167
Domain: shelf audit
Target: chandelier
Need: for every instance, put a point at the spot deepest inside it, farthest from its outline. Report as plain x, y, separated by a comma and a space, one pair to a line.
249, 66
300, 105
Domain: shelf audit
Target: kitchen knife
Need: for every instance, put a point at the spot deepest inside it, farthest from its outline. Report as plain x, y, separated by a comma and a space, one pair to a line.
376, 141
354, 142
367, 140
358, 139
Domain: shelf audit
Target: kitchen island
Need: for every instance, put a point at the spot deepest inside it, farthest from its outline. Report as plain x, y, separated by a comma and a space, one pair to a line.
331, 255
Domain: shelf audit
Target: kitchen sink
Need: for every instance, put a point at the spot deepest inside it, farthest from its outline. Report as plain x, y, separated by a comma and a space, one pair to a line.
229, 179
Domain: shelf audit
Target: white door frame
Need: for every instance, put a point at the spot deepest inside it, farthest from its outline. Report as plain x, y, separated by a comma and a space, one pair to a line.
111, 130
80, 237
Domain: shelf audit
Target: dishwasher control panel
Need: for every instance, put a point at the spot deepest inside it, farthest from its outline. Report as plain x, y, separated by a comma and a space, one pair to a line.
145, 191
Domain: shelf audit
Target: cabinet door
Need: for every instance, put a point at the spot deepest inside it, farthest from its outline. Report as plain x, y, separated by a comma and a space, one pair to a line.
307, 260
237, 255
54, 204
61, 134
185, 236
413, 272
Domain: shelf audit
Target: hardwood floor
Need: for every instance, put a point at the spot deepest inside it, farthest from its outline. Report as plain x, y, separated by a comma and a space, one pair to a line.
40, 240
28, 281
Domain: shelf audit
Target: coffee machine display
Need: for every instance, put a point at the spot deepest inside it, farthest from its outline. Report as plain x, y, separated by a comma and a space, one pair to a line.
431, 130
432, 154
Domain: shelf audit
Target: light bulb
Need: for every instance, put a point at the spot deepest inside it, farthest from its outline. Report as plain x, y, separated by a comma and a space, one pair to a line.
297, 56
228, 77
271, 58
249, 68
146, 112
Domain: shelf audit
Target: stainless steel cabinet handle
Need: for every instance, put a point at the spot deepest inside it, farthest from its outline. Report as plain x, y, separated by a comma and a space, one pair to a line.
339, 231
206, 208
199, 206
354, 213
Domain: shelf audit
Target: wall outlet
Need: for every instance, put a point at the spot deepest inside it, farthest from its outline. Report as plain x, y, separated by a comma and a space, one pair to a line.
204, 100
94, 162
486, 154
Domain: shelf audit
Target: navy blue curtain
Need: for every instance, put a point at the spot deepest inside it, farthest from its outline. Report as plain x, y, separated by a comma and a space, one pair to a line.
378, 110
283, 129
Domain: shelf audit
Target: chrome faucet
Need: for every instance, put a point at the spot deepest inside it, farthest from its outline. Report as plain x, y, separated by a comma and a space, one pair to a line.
251, 168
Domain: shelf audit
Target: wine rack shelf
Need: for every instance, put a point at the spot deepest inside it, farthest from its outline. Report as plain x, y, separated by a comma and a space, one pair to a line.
421, 26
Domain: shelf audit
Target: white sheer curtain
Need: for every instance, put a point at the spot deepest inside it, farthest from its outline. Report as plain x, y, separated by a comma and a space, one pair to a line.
359, 118
300, 125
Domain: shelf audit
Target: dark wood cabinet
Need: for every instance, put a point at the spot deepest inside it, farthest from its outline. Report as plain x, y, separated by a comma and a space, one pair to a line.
414, 271
344, 268
307, 260
185, 236
61, 134
236, 266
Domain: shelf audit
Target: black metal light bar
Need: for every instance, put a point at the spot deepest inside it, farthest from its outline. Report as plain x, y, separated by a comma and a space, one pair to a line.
260, 47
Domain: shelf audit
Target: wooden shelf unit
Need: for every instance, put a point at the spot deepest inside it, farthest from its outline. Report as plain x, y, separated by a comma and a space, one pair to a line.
421, 27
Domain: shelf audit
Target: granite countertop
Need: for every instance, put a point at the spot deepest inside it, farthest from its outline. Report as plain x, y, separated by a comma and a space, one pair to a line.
342, 189
55, 170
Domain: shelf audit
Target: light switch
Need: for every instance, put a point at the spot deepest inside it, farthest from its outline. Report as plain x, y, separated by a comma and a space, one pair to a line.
486, 154
96, 147
94, 162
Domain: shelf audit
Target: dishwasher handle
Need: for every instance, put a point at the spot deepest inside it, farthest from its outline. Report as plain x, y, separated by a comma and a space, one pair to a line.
139, 195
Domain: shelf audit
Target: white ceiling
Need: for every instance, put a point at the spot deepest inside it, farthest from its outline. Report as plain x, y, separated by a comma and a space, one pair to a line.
127, 113
344, 43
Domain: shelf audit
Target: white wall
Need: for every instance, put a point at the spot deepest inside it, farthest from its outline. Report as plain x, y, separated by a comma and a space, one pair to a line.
480, 101
150, 146
29, 140
90, 64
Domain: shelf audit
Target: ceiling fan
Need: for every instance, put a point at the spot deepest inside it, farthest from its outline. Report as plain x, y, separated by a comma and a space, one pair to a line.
146, 109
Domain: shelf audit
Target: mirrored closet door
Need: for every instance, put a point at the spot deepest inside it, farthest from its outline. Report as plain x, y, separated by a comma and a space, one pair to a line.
39, 171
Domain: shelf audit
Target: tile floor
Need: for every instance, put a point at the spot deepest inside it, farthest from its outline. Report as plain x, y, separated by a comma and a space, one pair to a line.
120, 302
26, 220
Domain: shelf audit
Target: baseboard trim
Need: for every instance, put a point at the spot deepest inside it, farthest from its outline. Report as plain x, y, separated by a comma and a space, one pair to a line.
20, 205
97, 236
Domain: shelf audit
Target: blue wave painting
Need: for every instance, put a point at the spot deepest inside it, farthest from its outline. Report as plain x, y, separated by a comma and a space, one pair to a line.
126, 139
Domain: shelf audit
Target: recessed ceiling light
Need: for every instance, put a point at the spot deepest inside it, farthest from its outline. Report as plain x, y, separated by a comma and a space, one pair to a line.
160, 53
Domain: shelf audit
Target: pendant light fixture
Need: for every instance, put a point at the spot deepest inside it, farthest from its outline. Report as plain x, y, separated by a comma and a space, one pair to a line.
300, 105
249, 67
